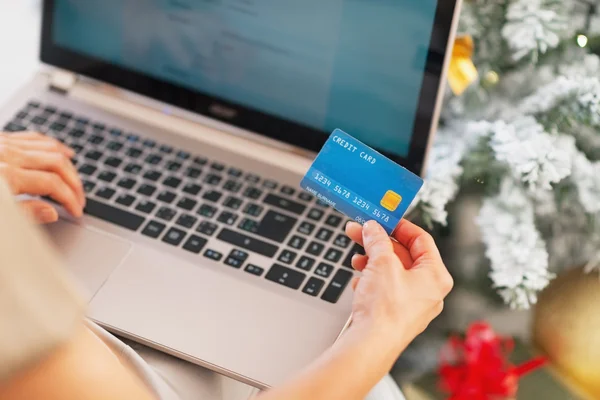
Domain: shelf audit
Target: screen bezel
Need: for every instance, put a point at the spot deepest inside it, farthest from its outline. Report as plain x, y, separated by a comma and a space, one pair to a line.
253, 120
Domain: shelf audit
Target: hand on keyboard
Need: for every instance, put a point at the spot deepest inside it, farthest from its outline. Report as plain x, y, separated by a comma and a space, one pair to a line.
35, 164
403, 283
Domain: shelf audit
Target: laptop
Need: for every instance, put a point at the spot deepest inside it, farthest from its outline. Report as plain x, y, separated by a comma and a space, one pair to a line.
193, 123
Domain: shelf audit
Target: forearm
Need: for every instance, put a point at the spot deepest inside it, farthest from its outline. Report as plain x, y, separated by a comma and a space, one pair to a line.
348, 371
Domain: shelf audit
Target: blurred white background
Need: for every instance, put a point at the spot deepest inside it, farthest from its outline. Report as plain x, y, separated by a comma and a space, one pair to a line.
19, 38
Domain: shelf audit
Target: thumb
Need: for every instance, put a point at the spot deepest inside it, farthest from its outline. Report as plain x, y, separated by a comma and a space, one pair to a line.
376, 240
40, 211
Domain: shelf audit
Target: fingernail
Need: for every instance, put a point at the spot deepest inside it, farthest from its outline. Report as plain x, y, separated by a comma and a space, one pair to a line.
370, 228
47, 215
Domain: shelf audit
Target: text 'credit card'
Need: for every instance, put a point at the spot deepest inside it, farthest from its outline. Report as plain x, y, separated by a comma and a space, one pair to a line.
361, 182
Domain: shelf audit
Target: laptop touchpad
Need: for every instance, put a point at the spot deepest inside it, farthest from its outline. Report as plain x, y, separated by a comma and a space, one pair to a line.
91, 256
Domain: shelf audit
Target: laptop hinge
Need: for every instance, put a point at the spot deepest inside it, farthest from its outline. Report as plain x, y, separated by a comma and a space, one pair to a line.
61, 81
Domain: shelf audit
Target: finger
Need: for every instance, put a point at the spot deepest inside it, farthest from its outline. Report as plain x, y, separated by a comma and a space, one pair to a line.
37, 141
376, 241
40, 211
57, 163
355, 282
359, 262
419, 243
46, 184
354, 232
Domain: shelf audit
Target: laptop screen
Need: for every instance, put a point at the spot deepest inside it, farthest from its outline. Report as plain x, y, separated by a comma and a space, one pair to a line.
357, 65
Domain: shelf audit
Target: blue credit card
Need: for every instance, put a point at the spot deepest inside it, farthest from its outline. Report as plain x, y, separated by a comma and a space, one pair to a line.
361, 182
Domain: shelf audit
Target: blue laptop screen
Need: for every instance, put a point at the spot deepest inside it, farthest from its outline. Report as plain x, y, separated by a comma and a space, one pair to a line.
356, 65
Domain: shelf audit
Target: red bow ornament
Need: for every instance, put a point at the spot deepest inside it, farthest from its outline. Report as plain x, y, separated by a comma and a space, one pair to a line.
477, 367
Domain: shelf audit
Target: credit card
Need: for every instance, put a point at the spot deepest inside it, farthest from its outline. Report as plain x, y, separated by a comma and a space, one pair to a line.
360, 182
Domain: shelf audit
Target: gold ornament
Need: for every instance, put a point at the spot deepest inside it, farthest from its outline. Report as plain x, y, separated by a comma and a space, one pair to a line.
567, 328
462, 72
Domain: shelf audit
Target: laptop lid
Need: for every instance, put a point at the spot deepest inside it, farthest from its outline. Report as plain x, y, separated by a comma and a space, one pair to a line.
290, 70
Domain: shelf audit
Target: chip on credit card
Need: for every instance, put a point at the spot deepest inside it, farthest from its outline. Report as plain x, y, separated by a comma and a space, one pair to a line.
361, 182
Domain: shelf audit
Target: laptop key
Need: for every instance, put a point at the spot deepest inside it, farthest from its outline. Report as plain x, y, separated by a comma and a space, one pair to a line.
236, 173
232, 186
313, 286
145, 206
134, 152
183, 155
324, 270
248, 225
153, 159
113, 162
213, 254
93, 155
187, 203
217, 166
323, 204
305, 196
173, 166
172, 181
315, 248
207, 228
227, 218
186, 220
213, 179
165, 213
200, 160
152, 175
306, 228
288, 190
275, 226
126, 183
195, 244
253, 209
166, 196
147, 190
333, 255
297, 242
76, 133
337, 285
212, 195
246, 242
207, 211
115, 132
193, 173
87, 169
192, 188
105, 193
305, 263
133, 168
315, 214
252, 178
114, 146
254, 269
107, 176
286, 257
285, 276
174, 236
133, 138
96, 139
324, 234
88, 186
232, 202
114, 215
239, 254
149, 143
166, 149
342, 240
269, 184
125, 200
233, 262
333, 220
253, 193
284, 204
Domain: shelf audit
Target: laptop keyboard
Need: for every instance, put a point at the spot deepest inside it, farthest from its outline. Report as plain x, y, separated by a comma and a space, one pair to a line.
184, 200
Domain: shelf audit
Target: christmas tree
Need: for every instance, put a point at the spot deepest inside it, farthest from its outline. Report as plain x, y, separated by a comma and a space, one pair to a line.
525, 134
